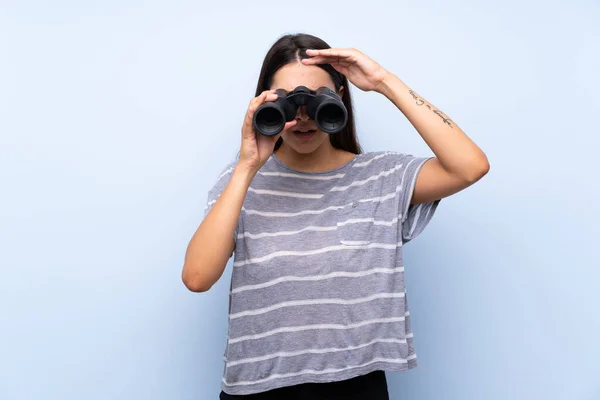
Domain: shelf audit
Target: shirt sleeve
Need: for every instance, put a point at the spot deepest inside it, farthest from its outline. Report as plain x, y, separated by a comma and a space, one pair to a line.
216, 190
413, 217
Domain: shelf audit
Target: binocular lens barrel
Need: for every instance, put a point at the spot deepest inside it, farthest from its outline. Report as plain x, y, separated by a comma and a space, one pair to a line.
331, 118
269, 120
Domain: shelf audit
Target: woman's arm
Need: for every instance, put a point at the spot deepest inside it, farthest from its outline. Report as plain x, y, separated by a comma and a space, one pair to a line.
212, 244
458, 161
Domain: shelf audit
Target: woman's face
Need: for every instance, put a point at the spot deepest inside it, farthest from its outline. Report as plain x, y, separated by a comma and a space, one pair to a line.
289, 77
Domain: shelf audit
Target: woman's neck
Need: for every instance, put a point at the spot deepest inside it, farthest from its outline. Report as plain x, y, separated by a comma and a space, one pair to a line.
324, 158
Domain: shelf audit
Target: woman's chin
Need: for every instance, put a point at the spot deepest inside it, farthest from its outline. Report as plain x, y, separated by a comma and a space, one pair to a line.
304, 142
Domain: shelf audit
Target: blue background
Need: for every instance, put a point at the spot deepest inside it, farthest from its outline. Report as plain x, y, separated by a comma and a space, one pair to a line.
116, 117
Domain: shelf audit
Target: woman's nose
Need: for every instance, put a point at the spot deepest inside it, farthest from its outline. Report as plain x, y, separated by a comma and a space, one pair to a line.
301, 114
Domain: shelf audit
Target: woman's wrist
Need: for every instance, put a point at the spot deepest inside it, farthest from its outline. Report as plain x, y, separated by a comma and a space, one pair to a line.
244, 173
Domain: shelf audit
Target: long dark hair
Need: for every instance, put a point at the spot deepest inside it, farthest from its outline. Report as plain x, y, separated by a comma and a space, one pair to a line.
289, 48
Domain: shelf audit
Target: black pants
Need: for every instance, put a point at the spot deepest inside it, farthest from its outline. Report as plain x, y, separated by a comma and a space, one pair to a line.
372, 386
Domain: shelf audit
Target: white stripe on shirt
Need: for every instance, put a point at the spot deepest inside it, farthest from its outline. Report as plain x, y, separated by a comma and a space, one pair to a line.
314, 302
311, 278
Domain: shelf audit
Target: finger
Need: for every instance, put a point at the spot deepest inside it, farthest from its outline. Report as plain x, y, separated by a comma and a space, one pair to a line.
248, 123
330, 52
261, 98
258, 100
319, 60
345, 61
288, 125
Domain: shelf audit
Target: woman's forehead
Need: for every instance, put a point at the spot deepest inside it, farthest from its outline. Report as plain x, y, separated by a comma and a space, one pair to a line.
296, 74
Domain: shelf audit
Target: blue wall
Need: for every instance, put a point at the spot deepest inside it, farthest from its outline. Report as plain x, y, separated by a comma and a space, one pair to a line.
115, 118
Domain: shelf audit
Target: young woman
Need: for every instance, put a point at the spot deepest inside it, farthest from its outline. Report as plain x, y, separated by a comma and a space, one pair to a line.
317, 306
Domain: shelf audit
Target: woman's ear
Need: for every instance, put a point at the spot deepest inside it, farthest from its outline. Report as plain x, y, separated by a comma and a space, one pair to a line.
341, 91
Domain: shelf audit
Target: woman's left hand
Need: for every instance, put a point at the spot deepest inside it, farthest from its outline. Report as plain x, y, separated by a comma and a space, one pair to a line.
363, 72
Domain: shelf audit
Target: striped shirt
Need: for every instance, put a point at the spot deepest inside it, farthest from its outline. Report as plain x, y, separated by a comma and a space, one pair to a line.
317, 290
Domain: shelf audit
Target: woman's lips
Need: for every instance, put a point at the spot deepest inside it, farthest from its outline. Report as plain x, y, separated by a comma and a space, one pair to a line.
305, 135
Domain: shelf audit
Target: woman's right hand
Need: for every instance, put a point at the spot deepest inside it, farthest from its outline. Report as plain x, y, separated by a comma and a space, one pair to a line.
256, 148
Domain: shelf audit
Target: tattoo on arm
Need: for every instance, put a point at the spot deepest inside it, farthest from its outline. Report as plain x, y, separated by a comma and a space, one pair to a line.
420, 101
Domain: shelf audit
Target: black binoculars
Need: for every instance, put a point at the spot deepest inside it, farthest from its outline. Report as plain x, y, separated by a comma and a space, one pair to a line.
322, 105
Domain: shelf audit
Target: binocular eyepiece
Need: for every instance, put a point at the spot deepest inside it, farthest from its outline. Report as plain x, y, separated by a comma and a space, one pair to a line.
322, 105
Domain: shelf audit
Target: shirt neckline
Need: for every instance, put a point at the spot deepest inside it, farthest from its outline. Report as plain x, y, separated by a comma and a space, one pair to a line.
329, 171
